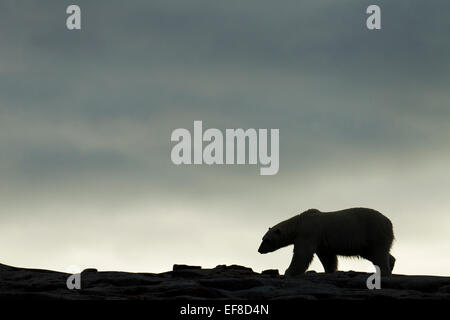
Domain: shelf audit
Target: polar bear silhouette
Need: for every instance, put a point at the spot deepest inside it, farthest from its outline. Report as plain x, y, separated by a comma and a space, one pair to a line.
360, 232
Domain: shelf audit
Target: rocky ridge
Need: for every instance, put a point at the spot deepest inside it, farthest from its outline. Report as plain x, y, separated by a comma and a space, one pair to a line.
220, 283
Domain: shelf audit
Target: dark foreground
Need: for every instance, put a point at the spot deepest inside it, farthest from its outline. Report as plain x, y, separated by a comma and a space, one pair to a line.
221, 283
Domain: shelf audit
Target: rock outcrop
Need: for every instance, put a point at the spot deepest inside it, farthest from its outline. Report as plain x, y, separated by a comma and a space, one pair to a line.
222, 282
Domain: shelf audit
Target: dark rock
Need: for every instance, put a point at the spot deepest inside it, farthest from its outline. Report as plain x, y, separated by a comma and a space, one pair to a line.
237, 267
222, 282
232, 271
445, 289
234, 267
192, 291
178, 267
271, 272
188, 274
89, 270
232, 284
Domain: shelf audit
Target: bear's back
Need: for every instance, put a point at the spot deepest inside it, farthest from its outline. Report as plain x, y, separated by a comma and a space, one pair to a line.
353, 231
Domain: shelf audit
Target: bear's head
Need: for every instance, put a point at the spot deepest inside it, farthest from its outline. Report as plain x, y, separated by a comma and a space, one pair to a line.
280, 235
271, 241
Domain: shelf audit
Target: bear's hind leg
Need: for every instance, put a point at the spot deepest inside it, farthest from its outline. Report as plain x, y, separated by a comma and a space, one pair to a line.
329, 261
391, 262
382, 261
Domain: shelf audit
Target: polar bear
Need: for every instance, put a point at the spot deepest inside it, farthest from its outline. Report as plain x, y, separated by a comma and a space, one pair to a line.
358, 232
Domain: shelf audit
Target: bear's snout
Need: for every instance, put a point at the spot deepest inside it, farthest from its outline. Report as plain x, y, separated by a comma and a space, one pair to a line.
263, 248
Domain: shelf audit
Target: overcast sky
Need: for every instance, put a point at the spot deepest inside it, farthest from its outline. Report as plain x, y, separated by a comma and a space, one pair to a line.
86, 117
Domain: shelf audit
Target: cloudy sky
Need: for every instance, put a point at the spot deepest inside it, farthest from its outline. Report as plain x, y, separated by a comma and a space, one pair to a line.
86, 117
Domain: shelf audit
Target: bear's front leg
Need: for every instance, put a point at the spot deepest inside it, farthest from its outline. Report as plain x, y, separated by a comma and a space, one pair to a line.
303, 255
